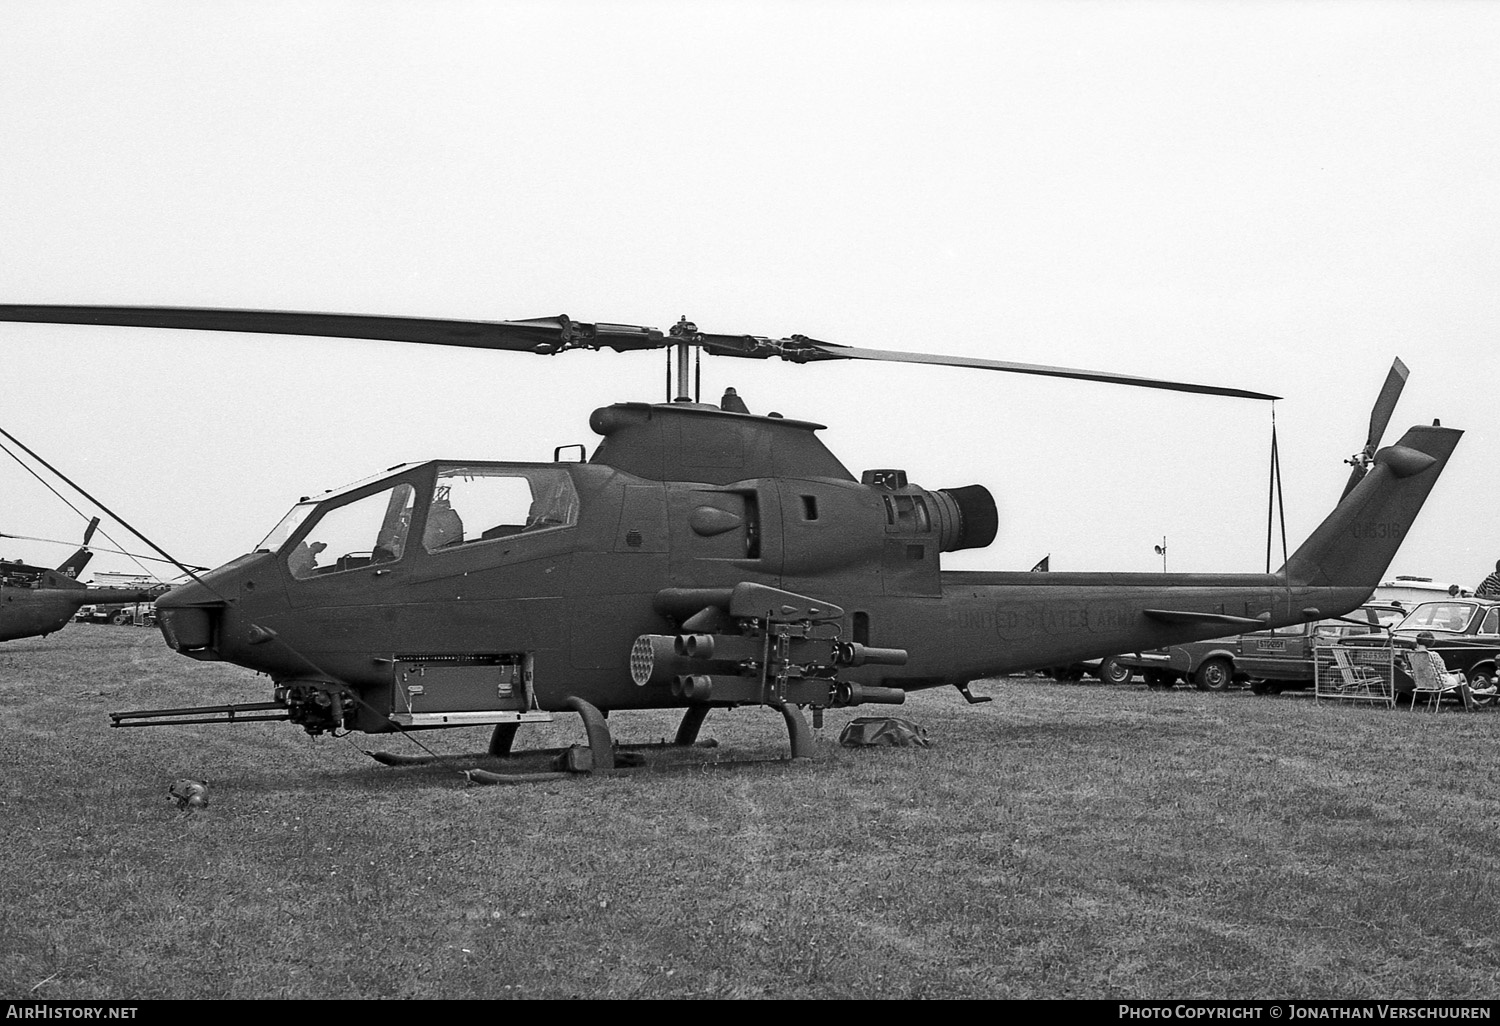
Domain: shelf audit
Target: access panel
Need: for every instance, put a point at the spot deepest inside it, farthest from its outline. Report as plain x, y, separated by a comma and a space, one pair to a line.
469, 682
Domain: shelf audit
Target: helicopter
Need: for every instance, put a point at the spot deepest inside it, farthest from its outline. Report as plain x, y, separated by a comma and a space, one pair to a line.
35, 600
703, 557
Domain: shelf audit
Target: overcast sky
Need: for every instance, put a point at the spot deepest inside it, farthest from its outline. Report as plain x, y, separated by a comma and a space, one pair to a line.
1274, 196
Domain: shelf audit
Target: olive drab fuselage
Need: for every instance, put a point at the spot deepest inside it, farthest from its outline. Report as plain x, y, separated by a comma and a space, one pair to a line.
460, 588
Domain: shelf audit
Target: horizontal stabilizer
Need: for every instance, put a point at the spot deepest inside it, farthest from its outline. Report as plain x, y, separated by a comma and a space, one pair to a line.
1188, 616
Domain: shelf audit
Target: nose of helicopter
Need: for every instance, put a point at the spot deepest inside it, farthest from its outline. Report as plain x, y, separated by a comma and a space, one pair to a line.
193, 616
188, 614
197, 618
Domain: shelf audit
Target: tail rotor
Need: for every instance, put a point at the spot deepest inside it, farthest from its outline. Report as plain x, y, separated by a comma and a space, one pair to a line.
1380, 416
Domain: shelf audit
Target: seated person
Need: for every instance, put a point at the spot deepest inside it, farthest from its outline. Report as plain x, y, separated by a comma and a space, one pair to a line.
550, 507
304, 558
444, 526
1431, 674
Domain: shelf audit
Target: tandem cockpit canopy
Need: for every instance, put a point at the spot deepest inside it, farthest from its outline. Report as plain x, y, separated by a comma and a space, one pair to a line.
429, 508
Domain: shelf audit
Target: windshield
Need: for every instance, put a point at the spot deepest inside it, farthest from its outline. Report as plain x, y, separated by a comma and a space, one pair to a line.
366, 532
300, 512
284, 530
1453, 617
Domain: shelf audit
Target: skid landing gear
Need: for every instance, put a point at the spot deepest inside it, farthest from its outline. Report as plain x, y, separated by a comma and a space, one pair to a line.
503, 737
598, 757
692, 722
796, 727
601, 745
601, 755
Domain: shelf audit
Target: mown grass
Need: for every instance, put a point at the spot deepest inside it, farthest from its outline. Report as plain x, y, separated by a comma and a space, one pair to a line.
1061, 841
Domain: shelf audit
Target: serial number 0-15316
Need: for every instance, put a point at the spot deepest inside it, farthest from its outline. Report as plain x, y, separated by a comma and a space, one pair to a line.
1379, 529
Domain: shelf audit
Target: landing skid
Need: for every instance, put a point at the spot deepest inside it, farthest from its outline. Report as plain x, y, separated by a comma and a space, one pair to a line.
600, 756
796, 728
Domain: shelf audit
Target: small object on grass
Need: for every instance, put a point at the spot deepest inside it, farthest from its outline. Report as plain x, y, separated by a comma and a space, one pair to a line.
890, 731
188, 794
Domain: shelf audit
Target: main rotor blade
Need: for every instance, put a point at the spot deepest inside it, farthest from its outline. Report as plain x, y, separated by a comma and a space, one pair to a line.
118, 552
544, 335
1385, 403
831, 351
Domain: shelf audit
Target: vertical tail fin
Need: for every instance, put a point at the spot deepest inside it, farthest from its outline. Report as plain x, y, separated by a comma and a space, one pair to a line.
74, 564
1354, 546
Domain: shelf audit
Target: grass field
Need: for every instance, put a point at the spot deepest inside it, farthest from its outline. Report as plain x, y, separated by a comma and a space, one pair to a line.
1060, 841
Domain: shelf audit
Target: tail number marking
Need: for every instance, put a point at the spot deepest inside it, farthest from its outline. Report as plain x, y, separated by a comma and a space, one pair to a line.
1379, 529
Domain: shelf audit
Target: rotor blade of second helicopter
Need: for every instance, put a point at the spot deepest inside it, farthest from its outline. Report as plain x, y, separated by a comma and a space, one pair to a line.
542, 335
833, 351
95, 548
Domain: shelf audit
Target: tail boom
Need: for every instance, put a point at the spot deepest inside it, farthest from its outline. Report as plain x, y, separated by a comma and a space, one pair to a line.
1004, 622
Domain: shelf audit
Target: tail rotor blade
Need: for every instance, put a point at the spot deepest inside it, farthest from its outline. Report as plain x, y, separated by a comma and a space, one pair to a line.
1385, 405
1380, 416
89, 533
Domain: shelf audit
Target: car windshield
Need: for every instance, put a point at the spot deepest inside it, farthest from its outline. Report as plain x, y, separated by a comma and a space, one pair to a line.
1453, 617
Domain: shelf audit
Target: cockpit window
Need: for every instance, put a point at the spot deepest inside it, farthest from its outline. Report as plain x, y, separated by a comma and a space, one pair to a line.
365, 532
284, 530
473, 504
1439, 616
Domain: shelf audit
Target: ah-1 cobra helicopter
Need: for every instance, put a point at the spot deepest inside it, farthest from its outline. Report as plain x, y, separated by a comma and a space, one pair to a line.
703, 557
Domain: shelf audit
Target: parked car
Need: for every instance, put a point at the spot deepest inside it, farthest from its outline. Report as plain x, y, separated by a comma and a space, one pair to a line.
1271, 660
1465, 631
1109, 671
139, 614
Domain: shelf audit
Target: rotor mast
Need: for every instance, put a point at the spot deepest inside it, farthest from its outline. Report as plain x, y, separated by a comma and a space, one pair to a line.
683, 334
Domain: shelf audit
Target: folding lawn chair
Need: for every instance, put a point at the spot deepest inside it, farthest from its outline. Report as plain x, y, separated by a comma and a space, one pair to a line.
1433, 679
1356, 681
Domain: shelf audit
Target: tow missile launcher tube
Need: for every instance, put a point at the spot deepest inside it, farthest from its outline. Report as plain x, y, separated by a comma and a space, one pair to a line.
852, 653
732, 668
818, 692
